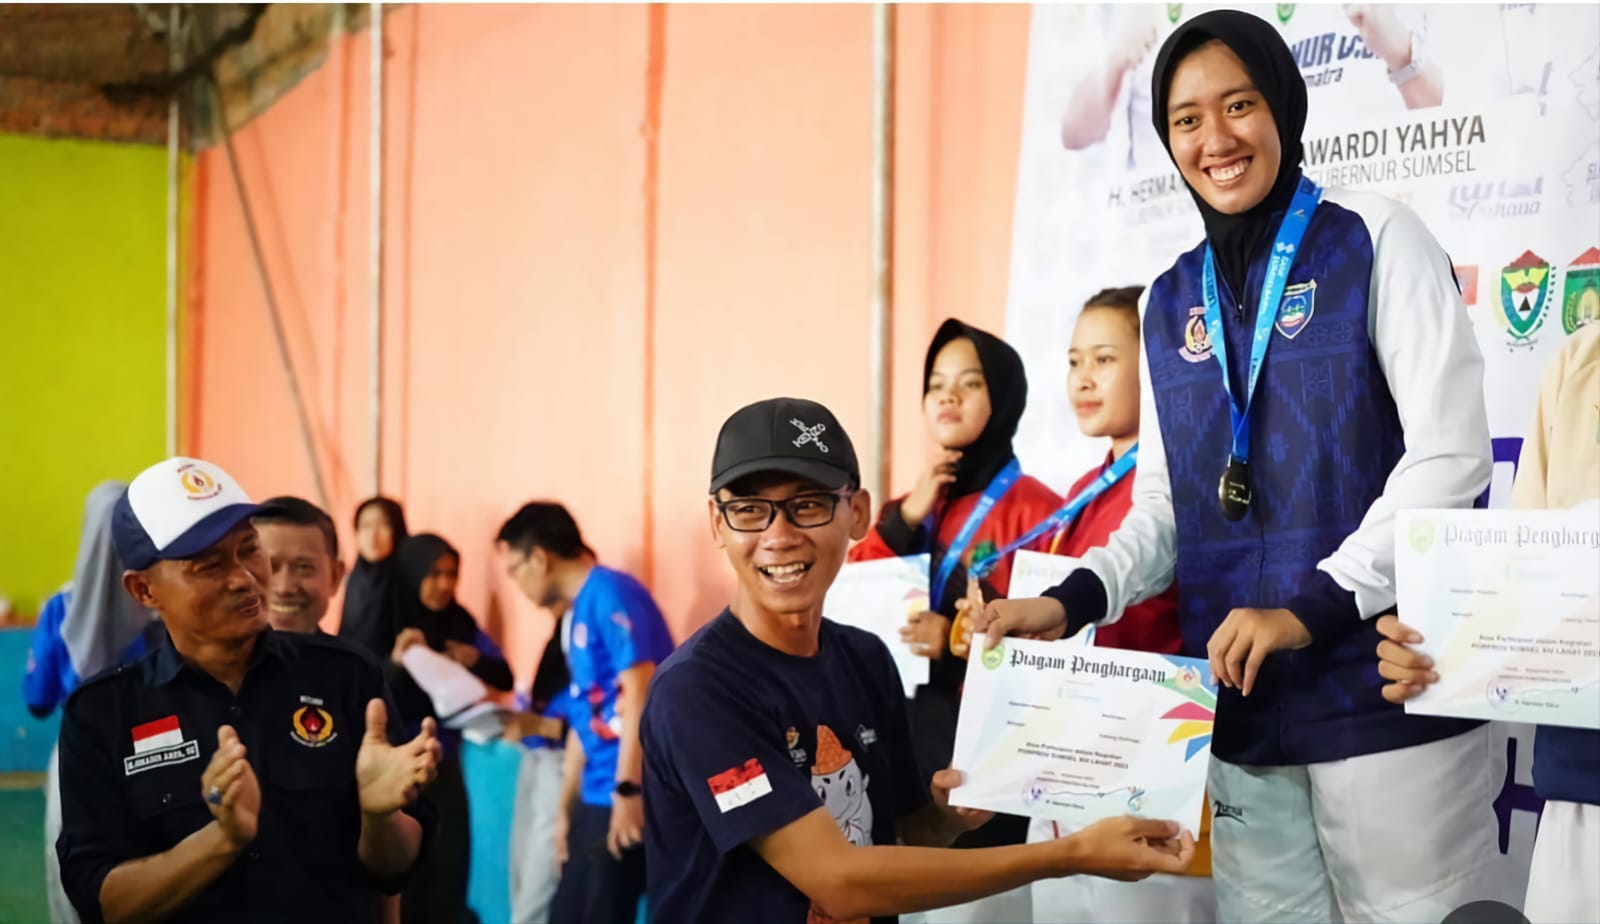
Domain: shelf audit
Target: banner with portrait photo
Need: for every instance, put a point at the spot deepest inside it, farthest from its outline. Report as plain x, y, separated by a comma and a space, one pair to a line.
1494, 140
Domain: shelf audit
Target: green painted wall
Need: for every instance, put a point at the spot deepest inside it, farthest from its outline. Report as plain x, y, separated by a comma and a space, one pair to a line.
82, 343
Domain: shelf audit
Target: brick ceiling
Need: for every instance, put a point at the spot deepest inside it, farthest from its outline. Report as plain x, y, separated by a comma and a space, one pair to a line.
102, 71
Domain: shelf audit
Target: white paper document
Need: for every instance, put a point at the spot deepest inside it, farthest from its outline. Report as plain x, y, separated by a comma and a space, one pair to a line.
1075, 734
1033, 573
451, 686
880, 597
1508, 604
482, 722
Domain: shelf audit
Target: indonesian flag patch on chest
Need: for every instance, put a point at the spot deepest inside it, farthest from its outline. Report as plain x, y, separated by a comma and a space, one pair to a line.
739, 785
162, 733
157, 744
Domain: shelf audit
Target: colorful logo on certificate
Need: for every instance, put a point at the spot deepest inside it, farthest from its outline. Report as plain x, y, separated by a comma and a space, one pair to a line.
1299, 304
995, 656
1580, 295
1524, 293
1498, 693
1195, 718
1421, 536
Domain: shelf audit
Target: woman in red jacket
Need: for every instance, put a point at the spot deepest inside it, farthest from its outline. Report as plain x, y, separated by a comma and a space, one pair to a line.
970, 502
1103, 386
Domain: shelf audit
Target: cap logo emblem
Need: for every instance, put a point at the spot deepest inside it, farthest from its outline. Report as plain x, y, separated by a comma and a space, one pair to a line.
809, 434
198, 483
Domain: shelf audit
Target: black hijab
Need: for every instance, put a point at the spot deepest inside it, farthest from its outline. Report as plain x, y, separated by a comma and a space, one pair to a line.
1008, 395
1235, 239
414, 560
371, 604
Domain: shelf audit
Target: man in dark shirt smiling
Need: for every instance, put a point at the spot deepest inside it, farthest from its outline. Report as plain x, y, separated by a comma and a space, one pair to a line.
779, 780
234, 773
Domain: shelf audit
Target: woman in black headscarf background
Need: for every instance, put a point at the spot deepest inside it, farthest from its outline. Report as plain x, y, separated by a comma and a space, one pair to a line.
371, 604
1330, 803
426, 568
974, 391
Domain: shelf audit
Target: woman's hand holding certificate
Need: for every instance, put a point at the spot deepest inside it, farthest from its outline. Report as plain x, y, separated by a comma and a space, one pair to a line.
1502, 613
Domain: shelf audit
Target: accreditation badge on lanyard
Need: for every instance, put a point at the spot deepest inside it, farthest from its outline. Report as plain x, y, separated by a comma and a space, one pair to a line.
1234, 490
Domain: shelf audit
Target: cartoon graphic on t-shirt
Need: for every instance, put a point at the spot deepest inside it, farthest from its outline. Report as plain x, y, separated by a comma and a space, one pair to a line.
842, 787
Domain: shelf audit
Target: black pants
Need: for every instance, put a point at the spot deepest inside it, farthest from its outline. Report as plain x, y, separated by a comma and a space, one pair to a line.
437, 890
597, 888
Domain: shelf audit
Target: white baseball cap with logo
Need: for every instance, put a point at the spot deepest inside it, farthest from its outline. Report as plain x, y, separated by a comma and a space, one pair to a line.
177, 509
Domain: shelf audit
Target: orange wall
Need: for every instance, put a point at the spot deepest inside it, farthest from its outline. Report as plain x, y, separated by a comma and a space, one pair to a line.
607, 227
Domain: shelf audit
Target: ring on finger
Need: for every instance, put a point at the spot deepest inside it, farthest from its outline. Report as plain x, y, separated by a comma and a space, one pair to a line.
214, 796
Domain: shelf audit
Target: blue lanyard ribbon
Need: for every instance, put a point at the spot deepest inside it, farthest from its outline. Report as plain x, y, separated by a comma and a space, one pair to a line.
991, 495
1067, 512
1284, 247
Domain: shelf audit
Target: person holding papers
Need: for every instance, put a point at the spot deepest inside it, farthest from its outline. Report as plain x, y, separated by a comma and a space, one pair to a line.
1314, 373
969, 505
778, 775
1559, 469
429, 615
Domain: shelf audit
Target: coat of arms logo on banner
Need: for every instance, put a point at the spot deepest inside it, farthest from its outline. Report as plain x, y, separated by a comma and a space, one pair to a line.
1580, 296
1524, 292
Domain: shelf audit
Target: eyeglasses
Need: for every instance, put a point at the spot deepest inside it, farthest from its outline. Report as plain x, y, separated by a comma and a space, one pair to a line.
755, 514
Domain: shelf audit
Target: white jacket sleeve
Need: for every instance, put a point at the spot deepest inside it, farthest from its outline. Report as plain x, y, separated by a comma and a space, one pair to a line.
1425, 346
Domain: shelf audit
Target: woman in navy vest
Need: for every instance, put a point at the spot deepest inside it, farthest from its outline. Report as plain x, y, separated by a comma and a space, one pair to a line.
1314, 372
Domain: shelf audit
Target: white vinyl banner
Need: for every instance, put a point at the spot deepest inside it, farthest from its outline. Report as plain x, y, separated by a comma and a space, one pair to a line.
1495, 144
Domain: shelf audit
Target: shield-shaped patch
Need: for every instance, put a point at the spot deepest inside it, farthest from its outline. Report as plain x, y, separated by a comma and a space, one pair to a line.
1299, 304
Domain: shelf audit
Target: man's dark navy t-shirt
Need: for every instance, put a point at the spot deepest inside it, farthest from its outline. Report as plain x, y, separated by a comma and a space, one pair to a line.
741, 739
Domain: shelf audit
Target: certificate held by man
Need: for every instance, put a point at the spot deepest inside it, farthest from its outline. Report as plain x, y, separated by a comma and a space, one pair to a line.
1076, 734
1508, 604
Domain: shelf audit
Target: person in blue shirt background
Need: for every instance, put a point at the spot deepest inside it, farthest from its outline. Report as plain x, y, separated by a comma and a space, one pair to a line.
89, 625
613, 637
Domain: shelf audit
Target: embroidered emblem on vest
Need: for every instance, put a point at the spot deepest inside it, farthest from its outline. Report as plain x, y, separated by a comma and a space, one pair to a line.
1299, 304
1196, 341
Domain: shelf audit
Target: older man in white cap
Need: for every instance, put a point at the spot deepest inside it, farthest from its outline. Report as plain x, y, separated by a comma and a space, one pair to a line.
233, 773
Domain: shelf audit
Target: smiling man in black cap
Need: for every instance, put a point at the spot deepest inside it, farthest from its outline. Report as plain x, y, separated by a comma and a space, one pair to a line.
779, 774
234, 773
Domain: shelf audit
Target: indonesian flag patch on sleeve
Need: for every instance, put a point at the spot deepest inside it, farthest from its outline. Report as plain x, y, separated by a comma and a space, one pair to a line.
740, 785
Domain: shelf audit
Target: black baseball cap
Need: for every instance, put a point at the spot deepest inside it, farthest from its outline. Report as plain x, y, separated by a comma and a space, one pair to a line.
789, 435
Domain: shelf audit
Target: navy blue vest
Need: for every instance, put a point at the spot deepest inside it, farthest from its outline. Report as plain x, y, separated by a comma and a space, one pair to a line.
1325, 436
